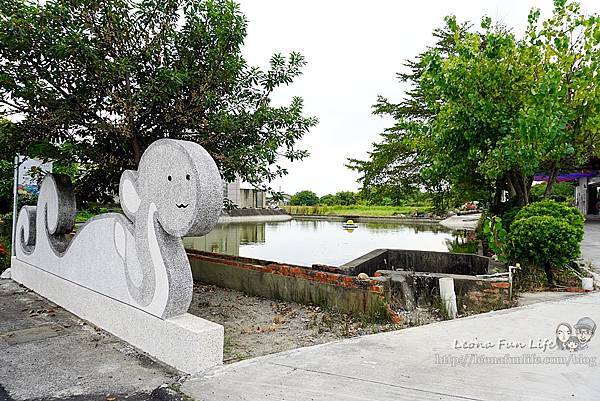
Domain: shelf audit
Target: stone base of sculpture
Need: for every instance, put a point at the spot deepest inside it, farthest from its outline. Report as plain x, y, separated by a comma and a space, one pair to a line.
186, 342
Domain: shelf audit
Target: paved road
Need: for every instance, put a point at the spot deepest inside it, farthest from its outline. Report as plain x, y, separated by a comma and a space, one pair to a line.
48, 353
416, 364
590, 247
409, 364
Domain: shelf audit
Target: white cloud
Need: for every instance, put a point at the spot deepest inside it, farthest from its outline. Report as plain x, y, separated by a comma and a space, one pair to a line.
354, 50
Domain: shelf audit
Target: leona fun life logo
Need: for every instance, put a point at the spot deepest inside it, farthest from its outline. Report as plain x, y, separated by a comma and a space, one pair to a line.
577, 337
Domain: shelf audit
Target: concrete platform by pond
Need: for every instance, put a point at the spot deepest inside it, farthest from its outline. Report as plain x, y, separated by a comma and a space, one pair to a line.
432, 362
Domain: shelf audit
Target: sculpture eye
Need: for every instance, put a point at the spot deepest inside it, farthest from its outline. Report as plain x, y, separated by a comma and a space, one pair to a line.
169, 178
187, 177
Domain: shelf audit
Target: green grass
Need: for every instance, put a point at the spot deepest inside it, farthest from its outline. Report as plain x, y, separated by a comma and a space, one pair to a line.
84, 215
356, 210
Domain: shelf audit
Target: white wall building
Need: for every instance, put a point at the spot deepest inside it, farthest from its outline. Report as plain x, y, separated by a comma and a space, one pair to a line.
244, 195
587, 196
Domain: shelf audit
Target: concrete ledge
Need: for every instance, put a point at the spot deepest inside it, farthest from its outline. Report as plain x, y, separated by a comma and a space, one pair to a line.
421, 261
186, 342
254, 219
462, 222
474, 294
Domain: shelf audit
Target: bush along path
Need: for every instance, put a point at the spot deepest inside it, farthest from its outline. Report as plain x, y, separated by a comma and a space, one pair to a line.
544, 238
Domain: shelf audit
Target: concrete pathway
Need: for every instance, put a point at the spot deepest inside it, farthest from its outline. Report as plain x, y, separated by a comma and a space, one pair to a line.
430, 362
417, 363
48, 353
528, 298
590, 247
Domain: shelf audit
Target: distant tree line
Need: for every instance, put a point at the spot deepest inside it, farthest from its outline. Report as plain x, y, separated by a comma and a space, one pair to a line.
346, 198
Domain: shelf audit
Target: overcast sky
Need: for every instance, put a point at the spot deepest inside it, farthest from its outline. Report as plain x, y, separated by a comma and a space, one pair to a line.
354, 49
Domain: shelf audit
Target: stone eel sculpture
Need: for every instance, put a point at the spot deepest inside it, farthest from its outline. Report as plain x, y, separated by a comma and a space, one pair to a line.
137, 258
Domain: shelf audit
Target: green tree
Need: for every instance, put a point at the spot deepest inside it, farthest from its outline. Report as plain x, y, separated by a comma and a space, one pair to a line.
488, 110
561, 192
110, 77
397, 165
8, 138
304, 198
329, 200
346, 198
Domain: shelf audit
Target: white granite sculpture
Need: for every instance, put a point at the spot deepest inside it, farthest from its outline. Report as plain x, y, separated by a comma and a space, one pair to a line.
134, 261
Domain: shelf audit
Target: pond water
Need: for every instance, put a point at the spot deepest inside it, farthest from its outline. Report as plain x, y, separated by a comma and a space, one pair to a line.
308, 241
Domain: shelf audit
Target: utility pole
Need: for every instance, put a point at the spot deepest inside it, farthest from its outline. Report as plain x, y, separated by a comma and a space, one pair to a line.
15, 206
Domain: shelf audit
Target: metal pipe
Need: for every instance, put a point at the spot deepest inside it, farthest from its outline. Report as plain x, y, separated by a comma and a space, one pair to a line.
510, 277
15, 206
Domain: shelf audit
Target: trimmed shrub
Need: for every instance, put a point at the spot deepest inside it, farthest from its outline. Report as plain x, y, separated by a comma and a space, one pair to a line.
555, 209
544, 239
546, 234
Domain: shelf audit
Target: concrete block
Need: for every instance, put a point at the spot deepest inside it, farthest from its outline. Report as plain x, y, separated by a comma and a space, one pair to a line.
186, 342
448, 296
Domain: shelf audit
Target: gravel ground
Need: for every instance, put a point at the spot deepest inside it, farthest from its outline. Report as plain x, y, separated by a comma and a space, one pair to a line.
257, 326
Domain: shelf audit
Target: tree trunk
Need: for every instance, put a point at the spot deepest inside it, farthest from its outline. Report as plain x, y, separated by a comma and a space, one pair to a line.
551, 180
520, 185
549, 274
500, 185
137, 150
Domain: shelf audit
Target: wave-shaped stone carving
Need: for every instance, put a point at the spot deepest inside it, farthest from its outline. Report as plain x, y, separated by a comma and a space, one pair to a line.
137, 257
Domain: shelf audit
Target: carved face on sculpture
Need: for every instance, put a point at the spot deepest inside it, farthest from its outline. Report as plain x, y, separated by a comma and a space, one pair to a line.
175, 189
183, 184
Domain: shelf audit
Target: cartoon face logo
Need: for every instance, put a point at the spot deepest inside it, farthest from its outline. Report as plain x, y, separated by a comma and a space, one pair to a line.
585, 329
563, 333
572, 344
584, 335
578, 339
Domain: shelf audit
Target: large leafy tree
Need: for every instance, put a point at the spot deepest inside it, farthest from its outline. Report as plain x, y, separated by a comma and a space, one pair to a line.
399, 164
489, 110
95, 82
304, 198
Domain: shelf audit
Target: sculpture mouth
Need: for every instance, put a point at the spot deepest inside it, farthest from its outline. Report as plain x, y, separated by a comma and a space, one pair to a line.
181, 205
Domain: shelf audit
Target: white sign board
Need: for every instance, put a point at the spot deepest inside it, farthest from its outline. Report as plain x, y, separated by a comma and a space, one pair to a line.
26, 181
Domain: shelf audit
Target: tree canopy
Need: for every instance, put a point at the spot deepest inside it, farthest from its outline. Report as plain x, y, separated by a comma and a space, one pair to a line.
304, 198
95, 82
487, 110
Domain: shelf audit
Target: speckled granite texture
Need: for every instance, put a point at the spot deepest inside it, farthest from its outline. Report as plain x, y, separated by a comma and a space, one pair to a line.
137, 258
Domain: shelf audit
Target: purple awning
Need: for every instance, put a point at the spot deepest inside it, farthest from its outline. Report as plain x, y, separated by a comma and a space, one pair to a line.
566, 177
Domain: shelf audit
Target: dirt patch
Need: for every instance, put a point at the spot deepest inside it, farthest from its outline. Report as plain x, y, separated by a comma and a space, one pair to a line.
257, 326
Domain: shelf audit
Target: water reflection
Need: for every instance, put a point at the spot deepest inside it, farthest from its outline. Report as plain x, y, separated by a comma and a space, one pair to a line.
307, 242
228, 238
